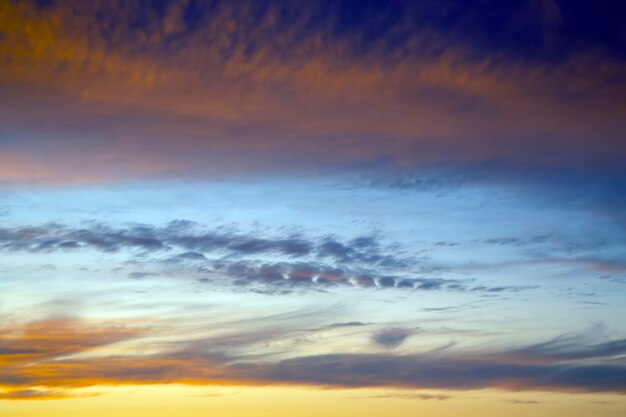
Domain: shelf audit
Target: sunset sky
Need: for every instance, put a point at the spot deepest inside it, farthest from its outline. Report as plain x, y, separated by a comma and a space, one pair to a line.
312, 208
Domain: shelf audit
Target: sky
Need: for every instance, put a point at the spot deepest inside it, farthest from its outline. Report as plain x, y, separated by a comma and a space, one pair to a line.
312, 208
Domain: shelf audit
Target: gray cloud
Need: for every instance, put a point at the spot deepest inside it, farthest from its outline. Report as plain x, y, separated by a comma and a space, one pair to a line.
195, 243
299, 275
36, 394
525, 402
411, 396
391, 338
249, 260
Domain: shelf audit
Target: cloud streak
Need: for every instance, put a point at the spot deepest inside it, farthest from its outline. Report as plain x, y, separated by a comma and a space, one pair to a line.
52, 363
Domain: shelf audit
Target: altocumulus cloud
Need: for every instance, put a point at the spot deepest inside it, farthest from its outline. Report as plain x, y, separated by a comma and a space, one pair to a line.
279, 263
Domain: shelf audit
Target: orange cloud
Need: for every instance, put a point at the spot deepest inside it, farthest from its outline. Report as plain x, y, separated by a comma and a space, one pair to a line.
31, 394
54, 338
240, 92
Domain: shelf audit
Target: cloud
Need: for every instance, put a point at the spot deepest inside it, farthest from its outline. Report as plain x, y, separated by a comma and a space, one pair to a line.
445, 373
524, 402
312, 275
249, 260
39, 394
411, 396
57, 337
99, 237
391, 338
342, 325
182, 235
246, 88
568, 347
62, 357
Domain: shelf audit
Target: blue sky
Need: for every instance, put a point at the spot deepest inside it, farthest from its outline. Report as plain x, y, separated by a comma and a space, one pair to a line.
428, 196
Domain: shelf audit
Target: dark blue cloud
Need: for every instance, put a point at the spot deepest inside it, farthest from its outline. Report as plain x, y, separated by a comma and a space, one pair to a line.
527, 29
446, 373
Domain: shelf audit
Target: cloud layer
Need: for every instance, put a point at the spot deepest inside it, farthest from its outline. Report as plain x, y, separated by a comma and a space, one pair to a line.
246, 260
51, 355
122, 90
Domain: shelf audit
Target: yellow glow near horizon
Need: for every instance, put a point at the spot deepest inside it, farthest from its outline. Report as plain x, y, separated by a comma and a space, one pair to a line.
192, 401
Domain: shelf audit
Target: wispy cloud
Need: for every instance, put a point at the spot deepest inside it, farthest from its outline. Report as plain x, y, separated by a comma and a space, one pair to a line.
41, 394
40, 357
411, 396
